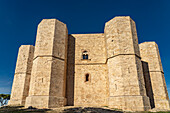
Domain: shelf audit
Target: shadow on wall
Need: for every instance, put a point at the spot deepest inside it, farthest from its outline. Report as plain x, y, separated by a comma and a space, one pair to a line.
70, 71
148, 84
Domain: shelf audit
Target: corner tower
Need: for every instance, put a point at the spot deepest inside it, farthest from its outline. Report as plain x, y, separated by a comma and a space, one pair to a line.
48, 77
126, 82
153, 70
21, 82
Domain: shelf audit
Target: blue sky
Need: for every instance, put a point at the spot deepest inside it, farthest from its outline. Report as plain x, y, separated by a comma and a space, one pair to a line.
19, 20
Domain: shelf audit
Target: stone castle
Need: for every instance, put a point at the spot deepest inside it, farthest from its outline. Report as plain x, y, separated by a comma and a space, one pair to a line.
106, 69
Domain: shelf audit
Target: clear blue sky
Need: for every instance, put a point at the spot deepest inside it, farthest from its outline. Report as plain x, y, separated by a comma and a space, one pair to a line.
19, 20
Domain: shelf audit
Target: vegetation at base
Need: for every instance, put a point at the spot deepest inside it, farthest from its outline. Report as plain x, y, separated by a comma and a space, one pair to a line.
160, 112
21, 109
150, 112
4, 99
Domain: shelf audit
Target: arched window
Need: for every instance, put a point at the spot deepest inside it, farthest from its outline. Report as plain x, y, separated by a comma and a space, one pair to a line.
85, 55
87, 77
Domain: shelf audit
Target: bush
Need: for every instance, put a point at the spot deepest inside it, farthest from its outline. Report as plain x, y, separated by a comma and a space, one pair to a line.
4, 99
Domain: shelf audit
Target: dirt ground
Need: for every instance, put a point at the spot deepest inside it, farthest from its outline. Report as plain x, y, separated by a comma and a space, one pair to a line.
69, 109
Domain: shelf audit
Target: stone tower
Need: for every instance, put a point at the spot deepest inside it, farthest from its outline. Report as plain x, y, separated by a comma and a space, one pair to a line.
126, 82
153, 71
96, 70
47, 86
22, 75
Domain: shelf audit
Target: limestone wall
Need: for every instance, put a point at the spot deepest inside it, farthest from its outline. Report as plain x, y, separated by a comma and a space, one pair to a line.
148, 84
150, 54
94, 44
21, 82
48, 78
70, 79
118, 32
126, 82
95, 91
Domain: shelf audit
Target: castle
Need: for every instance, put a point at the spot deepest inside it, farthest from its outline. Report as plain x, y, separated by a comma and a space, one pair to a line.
106, 69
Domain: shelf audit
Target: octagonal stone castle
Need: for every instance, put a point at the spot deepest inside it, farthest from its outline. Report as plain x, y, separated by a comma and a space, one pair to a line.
105, 69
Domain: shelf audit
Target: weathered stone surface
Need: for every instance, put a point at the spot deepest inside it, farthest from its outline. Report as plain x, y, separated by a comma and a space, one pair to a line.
126, 81
50, 39
153, 70
96, 70
22, 75
48, 77
95, 91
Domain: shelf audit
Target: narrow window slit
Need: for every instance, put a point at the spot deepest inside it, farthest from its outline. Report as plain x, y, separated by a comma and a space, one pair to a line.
86, 77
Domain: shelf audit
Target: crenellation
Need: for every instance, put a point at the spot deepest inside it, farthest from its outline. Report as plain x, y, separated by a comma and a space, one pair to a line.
103, 69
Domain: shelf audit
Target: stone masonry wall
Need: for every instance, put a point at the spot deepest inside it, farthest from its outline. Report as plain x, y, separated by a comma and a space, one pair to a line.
126, 82
70, 79
95, 91
150, 54
148, 85
48, 77
21, 82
